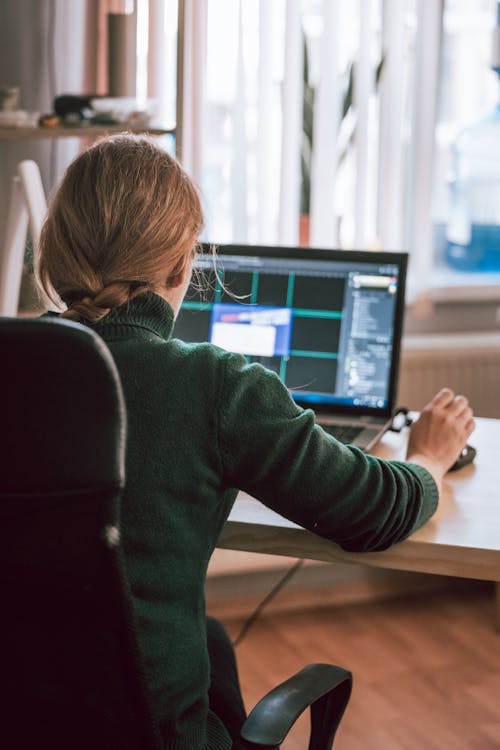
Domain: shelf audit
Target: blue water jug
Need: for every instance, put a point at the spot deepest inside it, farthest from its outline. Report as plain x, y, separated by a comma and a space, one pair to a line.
473, 231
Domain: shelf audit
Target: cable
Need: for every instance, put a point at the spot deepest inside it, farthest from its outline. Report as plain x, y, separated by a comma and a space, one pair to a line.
256, 613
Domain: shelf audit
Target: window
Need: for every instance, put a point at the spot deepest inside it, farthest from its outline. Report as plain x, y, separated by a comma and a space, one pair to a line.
468, 92
287, 152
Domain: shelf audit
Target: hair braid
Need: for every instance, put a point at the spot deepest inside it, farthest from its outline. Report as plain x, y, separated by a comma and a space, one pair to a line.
92, 309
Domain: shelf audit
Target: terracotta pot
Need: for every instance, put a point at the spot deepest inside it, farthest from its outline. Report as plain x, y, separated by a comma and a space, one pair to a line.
304, 230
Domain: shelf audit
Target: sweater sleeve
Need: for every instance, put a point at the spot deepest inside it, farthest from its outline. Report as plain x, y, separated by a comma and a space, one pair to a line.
275, 451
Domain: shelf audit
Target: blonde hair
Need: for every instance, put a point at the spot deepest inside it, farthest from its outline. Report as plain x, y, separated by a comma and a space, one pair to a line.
125, 220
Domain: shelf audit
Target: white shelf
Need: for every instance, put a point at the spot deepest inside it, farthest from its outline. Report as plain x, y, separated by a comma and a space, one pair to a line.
87, 131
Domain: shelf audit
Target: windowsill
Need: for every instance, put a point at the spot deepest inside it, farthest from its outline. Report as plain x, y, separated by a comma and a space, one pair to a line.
448, 285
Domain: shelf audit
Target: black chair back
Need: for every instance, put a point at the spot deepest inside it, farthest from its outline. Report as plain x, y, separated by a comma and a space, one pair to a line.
71, 668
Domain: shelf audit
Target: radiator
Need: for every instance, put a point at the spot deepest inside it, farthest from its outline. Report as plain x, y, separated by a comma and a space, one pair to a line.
469, 363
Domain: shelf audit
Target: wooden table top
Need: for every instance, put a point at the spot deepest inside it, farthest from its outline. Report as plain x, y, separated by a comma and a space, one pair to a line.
462, 539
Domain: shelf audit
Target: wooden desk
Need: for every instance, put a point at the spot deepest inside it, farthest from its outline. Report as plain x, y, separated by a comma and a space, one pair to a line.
462, 539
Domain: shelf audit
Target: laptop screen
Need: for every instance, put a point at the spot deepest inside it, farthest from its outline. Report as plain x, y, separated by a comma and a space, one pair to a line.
328, 322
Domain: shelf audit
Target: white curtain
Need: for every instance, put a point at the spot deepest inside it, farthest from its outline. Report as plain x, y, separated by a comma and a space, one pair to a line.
326, 127
418, 236
191, 85
47, 48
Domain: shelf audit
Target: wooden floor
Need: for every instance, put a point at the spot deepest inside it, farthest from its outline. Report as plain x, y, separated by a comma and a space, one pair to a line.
426, 669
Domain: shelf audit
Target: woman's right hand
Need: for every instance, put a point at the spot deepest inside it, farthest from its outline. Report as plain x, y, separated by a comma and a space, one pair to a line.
440, 433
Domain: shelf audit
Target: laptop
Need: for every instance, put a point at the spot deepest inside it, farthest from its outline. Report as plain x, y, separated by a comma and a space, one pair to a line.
328, 322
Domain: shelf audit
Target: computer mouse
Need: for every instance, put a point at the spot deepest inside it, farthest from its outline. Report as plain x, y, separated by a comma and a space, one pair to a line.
466, 457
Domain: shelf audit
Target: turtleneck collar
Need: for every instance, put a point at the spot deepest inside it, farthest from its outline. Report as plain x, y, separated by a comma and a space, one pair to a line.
148, 312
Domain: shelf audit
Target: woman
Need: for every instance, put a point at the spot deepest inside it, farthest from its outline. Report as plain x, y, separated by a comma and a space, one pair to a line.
117, 247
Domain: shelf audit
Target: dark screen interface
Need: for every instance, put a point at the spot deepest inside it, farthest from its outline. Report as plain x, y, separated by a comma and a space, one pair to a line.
325, 327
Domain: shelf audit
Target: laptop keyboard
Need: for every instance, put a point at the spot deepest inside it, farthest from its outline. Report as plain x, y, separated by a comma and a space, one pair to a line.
344, 432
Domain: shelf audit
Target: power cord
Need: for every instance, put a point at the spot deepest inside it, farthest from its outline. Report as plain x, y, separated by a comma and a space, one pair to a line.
257, 611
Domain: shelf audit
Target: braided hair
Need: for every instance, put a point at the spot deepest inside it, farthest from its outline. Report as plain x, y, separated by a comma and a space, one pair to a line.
125, 220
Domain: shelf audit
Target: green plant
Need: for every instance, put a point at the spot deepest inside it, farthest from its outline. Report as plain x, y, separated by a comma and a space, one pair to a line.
307, 135
308, 104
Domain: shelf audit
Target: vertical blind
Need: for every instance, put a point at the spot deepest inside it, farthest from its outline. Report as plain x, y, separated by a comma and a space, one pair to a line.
372, 70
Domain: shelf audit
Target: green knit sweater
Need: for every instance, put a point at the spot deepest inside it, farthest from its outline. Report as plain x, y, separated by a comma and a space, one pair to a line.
203, 423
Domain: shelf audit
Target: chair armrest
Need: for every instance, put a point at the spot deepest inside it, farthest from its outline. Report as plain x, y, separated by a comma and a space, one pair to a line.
324, 687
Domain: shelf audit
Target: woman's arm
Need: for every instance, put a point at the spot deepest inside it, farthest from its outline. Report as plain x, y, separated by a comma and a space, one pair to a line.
275, 451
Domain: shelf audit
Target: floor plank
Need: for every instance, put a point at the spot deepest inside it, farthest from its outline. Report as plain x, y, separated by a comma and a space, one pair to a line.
426, 668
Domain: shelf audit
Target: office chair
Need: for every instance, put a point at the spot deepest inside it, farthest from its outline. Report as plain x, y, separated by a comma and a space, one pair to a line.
71, 668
